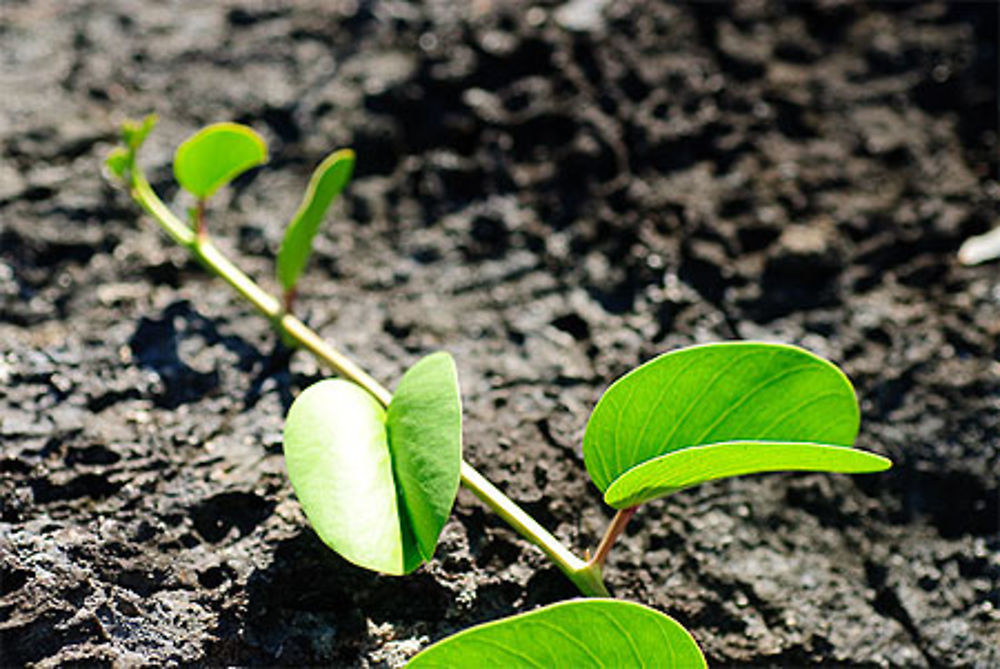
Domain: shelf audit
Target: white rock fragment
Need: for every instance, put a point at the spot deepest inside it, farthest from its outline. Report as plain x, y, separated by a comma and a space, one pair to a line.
980, 248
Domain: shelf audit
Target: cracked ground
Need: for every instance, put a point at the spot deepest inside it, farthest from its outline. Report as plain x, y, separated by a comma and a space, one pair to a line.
553, 195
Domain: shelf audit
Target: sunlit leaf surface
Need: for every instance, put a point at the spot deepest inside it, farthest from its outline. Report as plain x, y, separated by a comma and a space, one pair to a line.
215, 155
327, 181
780, 404
376, 485
575, 634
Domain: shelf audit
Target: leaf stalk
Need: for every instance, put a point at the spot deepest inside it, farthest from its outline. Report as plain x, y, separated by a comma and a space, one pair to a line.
200, 231
288, 299
614, 531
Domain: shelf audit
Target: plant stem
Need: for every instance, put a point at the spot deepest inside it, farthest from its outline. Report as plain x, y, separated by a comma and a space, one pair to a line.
200, 231
583, 575
586, 576
288, 299
143, 193
614, 531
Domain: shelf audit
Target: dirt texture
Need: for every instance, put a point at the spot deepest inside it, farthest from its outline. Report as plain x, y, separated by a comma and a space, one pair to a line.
554, 193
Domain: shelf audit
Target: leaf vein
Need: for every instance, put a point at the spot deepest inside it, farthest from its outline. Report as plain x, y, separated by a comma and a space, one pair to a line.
704, 391
507, 649
576, 641
655, 409
625, 633
797, 408
760, 387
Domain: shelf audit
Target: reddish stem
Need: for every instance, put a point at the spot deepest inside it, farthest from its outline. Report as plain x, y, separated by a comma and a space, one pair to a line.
614, 530
201, 231
288, 299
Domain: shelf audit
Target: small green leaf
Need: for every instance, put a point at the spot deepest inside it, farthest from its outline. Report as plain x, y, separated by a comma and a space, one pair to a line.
781, 398
376, 485
134, 133
326, 183
425, 433
694, 465
577, 633
215, 155
118, 161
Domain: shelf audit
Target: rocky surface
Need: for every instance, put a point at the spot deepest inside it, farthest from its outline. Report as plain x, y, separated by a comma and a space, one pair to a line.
554, 193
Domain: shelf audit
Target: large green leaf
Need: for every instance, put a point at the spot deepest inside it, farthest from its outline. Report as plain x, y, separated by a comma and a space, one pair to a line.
376, 485
782, 399
573, 634
326, 183
215, 155
425, 434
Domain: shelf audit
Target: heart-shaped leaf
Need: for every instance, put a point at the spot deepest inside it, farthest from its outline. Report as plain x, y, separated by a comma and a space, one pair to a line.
577, 633
376, 485
337, 455
215, 155
326, 183
780, 406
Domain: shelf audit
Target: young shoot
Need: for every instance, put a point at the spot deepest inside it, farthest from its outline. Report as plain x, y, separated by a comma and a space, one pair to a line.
327, 181
377, 473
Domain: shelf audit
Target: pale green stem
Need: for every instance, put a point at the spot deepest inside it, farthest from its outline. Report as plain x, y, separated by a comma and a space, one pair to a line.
586, 576
143, 193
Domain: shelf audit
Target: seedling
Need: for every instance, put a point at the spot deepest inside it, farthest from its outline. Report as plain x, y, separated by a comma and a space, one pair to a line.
377, 473
217, 154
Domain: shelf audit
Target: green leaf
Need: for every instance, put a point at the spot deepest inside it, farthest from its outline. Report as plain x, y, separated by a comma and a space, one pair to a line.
337, 455
577, 633
134, 133
376, 485
118, 161
692, 466
783, 399
215, 155
326, 183
425, 432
